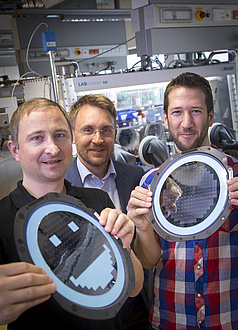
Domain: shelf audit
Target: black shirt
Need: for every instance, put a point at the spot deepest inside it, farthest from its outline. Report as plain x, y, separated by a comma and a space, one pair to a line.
48, 315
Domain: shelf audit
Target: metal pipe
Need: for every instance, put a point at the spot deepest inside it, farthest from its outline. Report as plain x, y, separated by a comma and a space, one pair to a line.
62, 63
53, 75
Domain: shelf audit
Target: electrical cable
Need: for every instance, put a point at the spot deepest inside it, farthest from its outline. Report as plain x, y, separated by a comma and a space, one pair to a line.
173, 61
157, 61
135, 64
140, 61
24, 74
27, 59
28, 46
183, 62
103, 69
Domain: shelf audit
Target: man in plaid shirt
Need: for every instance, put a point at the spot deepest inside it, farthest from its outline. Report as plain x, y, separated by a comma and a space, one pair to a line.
195, 282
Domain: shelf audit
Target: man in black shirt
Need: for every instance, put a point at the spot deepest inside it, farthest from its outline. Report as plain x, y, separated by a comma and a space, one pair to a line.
42, 142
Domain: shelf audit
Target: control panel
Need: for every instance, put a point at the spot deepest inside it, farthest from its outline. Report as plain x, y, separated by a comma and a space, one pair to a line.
90, 51
162, 15
77, 53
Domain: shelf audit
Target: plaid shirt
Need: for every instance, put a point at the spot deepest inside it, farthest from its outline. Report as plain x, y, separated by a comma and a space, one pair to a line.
196, 282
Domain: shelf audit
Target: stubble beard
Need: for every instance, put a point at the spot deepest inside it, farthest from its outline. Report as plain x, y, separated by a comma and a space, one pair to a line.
198, 142
96, 162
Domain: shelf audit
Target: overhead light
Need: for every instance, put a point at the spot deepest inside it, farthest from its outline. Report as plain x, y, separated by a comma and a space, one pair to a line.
52, 16
80, 20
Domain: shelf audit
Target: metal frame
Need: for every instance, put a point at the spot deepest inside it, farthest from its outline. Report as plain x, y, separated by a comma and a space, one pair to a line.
218, 161
91, 306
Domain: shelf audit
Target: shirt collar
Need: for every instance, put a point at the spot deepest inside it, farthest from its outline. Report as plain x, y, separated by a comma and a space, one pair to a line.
111, 170
21, 197
84, 172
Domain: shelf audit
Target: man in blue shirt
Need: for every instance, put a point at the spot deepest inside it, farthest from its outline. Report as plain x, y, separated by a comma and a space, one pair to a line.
93, 118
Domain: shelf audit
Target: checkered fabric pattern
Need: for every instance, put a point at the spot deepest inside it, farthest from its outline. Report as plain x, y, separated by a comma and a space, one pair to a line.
196, 282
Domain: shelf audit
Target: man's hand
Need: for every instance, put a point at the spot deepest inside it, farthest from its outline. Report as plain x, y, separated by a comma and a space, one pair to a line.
118, 224
146, 244
233, 190
22, 286
138, 207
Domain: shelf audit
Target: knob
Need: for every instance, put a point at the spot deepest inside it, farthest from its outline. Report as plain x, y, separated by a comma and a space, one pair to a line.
200, 15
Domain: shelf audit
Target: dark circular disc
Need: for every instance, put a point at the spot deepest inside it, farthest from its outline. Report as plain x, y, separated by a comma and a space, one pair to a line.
93, 273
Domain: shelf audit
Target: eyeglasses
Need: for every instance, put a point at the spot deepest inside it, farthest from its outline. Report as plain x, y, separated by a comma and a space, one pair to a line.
105, 132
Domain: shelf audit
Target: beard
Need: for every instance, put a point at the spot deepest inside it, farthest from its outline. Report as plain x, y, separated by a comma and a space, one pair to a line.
198, 142
96, 162
92, 161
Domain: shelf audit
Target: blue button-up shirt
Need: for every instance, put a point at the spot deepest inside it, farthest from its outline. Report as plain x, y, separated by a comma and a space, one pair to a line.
107, 184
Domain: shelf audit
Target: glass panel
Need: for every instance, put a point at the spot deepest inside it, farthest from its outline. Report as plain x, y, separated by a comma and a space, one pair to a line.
190, 194
76, 250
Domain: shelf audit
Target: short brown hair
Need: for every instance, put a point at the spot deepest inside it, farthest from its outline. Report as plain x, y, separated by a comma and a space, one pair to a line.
26, 108
193, 81
96, 100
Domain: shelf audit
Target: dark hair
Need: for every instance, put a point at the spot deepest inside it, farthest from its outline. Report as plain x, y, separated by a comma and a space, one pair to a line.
96, 100
193, 81
27, 107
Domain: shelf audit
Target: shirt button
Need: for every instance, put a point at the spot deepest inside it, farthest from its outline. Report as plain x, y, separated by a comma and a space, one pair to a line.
199, 295
199, 321
198, 267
